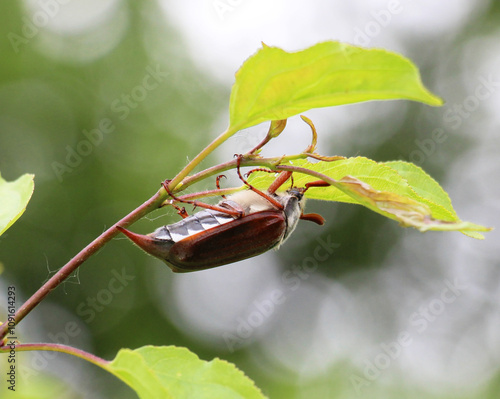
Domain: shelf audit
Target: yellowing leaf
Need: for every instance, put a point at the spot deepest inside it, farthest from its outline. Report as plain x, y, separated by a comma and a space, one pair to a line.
397, 190
408, 212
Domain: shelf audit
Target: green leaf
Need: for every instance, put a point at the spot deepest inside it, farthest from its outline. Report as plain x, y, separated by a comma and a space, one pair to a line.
14, 197
398, 190
171, 372
426, 188
274, 84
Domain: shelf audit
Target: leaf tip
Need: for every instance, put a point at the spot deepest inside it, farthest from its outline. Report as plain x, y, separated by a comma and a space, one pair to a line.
436, 101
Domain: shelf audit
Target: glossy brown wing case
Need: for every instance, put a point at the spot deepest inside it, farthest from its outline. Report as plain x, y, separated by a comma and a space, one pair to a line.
237, 240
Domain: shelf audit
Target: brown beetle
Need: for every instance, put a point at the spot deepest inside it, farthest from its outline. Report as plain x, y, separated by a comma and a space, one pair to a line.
241, 226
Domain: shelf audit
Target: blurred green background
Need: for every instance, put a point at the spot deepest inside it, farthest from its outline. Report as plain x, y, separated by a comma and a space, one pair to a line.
102, 100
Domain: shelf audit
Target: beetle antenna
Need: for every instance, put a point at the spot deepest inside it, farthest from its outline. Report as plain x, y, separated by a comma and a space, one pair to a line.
280, 180
316, 183
313, 217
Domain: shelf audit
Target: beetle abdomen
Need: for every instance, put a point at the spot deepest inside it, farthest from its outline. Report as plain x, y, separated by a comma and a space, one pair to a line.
191, 225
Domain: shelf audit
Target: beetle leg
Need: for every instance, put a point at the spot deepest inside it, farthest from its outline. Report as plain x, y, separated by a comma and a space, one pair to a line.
181, 211
233, 206
280, 180
259, 170
237, 213
217, 183
262, 194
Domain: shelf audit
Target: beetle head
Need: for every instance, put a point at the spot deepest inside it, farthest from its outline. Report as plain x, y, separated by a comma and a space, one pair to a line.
293, 202
298, 193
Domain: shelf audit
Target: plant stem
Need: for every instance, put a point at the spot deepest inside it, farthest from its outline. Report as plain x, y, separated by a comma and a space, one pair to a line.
211, 193
200, 157
60, 348
270, 163
309, 172
63, 273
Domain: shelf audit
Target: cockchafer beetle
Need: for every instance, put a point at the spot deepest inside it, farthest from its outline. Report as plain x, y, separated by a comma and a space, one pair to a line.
243, 225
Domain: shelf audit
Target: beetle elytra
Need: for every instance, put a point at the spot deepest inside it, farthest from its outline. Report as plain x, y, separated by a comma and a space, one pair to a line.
243, 225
